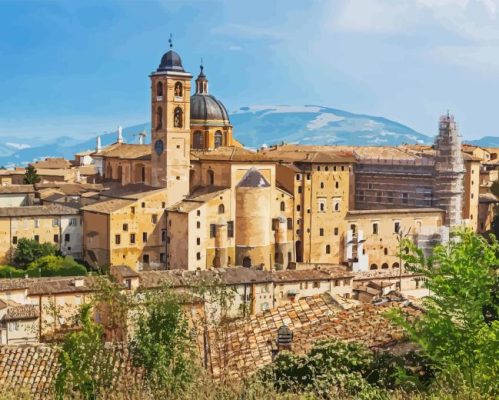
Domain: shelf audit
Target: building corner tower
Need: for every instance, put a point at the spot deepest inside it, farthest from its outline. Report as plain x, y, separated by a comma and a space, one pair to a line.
170, 127
449, 171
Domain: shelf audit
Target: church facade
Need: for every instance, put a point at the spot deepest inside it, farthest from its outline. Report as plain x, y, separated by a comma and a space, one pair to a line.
195, 198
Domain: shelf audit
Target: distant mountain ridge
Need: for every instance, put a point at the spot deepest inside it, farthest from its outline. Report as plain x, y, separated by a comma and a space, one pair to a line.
254, 126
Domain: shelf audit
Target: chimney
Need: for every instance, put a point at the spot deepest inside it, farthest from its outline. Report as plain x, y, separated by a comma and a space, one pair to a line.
284, 338
142, 137
78, 282
120, 134
98, 145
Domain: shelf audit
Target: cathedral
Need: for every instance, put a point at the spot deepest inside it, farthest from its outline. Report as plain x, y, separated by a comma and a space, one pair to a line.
197, 199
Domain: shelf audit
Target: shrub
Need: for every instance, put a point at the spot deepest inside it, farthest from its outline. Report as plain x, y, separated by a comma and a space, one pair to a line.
56, 266
29, 250
7, 271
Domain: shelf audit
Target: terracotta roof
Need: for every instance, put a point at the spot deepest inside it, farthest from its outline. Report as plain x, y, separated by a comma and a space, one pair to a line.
126, 151
33, 211
21, 312
309, 154
387, 273
11, 189
245, 346
308, 275
124, 271
230, 153
108, 206
52, 163
48, 285
197, 198
133, 191
35, 367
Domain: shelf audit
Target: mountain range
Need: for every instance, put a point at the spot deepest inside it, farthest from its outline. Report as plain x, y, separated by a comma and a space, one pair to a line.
254, 126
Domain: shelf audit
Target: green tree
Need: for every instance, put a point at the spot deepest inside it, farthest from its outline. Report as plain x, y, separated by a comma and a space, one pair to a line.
29, 250
86, 368
162, 343
31, 176
453, 331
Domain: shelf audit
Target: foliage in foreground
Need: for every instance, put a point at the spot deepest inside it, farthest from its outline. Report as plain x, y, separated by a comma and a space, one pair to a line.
29, 250
458, 331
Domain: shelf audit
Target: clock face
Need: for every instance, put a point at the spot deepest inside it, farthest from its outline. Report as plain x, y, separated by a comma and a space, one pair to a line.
159, 147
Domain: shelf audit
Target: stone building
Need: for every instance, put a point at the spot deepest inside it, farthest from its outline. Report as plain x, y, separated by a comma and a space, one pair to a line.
282, 206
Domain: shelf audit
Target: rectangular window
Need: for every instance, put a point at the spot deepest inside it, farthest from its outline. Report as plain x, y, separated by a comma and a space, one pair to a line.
145, 258
55, 222
132, 238
132, 209
346, 282
154, 218
198, 241
299, 189
125, 227
162, 257
198, 213
73, 222
67, 237
396, 227
198, 224
198, 256
335, 231
37, 238
143, 205
128, 283
144, 237
317, 285
298, 177
230, 229
290, 223
337, 282
163, 204
117, 239
375, 228
37, 223
163, 235
321, 231
405, 198
213, 230
56, 238
14, 239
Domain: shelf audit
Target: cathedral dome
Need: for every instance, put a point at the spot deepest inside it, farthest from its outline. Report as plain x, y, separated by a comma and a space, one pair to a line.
205, 107
171, 61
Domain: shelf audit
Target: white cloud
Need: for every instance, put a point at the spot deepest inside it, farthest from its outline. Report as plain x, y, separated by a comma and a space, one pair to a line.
235, 47
18, 146
473, 19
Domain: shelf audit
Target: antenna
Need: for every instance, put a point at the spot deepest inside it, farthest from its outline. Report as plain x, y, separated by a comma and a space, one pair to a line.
170, 41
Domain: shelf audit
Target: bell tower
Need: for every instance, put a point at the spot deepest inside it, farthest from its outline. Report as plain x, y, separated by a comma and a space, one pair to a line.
170, 126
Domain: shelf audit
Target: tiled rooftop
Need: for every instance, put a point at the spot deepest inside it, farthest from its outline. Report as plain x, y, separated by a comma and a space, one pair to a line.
246, 345
33, 211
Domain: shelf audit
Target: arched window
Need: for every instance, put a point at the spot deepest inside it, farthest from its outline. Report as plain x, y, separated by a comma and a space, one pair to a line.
337, 185
385, 251
140, 173
384, 266
374, 266
178, 118
218, 139
178, 89
321, 206
159, 89
159, 118
337, 207
283, 206
327, 168
328, 249
246, 262
197, 142
211, 177
396, 265
221, 209
322, 185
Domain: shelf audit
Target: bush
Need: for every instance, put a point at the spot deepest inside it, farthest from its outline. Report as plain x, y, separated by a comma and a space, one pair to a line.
7, 271
56, 266
29, 250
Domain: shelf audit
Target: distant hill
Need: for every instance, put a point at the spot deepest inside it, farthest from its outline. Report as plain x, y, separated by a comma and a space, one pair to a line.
254, 126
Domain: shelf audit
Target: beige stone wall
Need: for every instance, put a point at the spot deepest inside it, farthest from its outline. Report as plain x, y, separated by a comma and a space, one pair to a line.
127, 171
96, 238
48, 229
471, 194
139, 218
208, 135
382, 249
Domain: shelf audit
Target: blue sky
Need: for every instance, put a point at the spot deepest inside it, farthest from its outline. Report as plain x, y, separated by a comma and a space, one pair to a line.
81, 68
